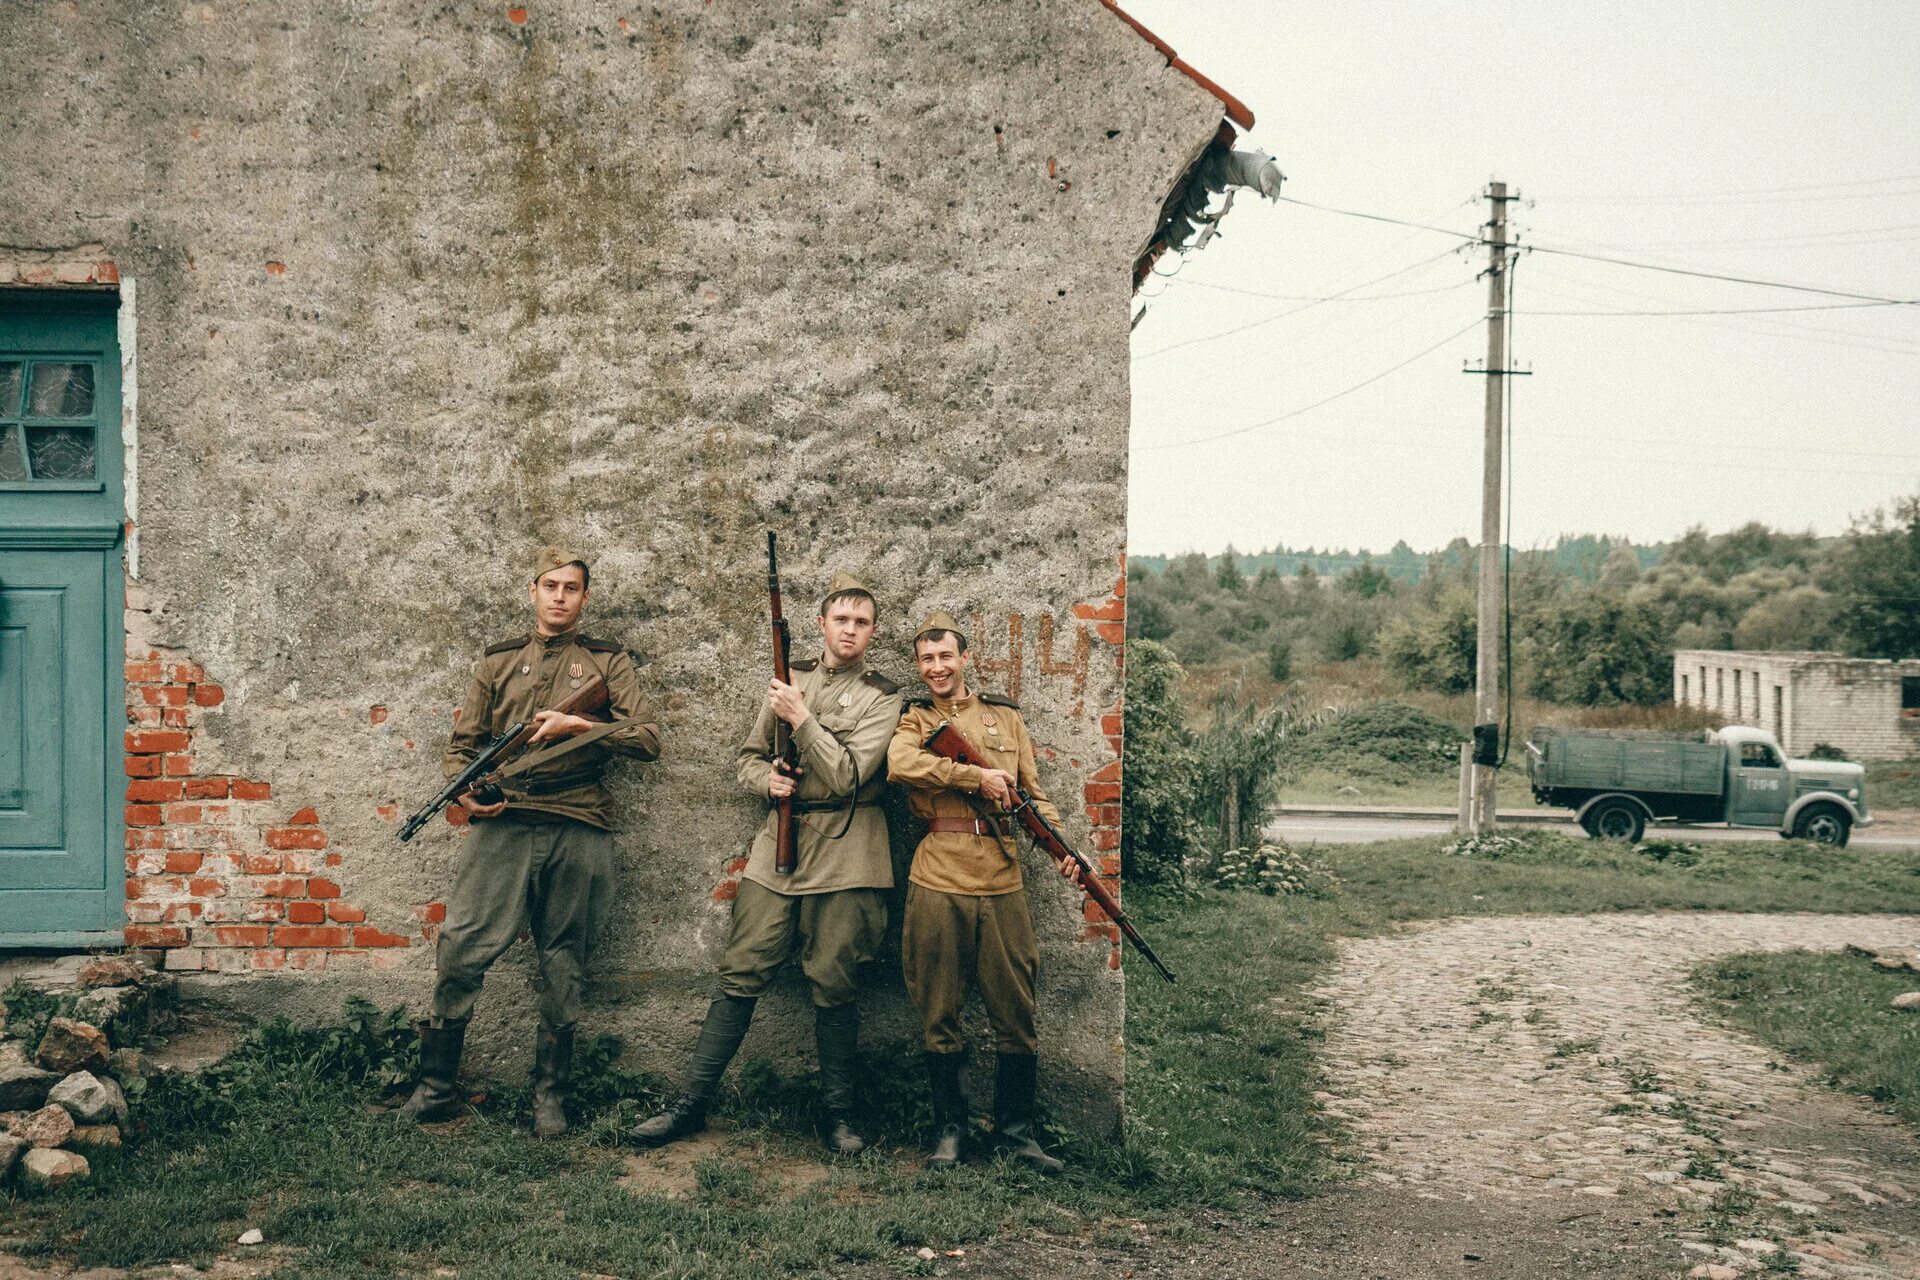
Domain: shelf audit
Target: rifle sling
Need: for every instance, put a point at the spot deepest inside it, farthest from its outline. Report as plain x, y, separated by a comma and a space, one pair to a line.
534, 759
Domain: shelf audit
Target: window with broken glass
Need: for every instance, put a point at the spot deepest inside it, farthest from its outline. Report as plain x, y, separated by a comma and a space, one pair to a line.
48, 425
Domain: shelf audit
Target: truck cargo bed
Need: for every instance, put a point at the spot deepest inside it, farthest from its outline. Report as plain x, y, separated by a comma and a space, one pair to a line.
1626, 760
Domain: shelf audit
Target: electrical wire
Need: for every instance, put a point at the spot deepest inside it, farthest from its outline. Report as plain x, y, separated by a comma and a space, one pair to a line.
1379, 217
1726, 311
1506, 546
1294, 413
1291, 311
1750, 191
1297, 297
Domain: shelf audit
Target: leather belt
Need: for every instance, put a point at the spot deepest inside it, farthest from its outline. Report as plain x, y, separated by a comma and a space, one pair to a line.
549, 786
972, 826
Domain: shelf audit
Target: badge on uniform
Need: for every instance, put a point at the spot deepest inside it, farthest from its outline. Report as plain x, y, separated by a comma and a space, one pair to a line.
575, 671
846, 699
526, 669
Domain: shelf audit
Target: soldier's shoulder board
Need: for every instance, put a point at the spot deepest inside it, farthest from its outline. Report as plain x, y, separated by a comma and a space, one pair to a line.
999, 700
804, 664
509, 646
917, 701
592, 645
880, 682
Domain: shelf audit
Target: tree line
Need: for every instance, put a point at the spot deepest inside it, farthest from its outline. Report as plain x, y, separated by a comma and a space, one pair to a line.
1595, 621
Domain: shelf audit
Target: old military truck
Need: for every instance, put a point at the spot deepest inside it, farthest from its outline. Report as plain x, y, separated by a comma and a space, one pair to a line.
1618, 781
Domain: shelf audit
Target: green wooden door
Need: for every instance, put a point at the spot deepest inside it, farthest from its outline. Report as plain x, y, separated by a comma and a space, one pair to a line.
61, 694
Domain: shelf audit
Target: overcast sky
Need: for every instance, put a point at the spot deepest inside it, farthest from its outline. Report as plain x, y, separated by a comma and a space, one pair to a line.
1764, 138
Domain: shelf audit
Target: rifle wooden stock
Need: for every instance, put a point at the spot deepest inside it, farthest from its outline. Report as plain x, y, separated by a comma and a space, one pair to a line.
949, 742
588, 698
785, 856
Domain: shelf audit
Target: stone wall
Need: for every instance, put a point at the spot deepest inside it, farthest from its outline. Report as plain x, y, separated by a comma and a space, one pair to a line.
422, 287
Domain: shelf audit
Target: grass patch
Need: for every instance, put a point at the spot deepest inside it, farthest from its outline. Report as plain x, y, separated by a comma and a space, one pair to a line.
1893, 784
1829, 1011
1220, 1075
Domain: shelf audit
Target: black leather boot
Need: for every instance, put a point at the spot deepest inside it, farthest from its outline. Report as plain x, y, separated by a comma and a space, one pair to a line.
836, 1034
435, 1096
720, 1035
949, 1108
1013, 1086
552, 1069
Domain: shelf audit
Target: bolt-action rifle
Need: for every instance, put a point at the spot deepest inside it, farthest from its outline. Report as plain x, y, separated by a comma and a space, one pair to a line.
949, 742
785, 757
483, 773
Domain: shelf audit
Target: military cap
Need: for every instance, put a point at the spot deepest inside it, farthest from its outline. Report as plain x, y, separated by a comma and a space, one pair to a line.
844, 582
938, 620
551, 558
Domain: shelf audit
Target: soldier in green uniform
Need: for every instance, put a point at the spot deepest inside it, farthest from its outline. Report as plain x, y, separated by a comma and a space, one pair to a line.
966, 919
542, 858
830, 911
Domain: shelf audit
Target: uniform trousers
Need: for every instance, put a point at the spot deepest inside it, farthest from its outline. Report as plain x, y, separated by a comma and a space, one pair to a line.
950, 942
832, 934
524, 870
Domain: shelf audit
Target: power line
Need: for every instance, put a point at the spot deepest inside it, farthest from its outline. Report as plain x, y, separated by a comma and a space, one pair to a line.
1377, 217
1698, 201
1294, 413
1291, 311
1295, 297
1728, 311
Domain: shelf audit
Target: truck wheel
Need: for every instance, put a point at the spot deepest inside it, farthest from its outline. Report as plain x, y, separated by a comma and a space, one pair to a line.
1615, 820
1823, 824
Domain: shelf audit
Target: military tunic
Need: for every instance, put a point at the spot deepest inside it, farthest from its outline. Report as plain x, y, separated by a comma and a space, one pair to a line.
830, 911
967, 920
546, 863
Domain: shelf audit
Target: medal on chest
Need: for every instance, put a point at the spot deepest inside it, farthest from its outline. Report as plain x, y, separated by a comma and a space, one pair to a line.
993, 725
846, 699
576, 673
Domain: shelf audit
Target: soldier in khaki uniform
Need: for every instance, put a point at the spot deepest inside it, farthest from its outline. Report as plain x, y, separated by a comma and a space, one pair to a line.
830, 912
542, 858
966, 918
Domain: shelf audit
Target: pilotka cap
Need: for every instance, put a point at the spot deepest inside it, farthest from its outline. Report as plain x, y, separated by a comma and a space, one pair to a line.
551, 558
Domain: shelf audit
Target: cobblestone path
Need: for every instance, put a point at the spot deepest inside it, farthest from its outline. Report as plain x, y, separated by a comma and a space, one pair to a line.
1563, 1061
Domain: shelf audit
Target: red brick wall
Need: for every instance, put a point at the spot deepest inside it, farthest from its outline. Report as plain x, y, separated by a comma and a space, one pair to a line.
1101, 795
223, 875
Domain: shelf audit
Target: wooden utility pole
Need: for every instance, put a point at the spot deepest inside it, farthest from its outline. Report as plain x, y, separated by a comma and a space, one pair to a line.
1486, 699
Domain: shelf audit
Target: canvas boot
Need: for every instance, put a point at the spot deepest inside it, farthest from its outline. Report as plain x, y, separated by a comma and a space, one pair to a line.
836, 1034
435, 1096
1013, 1088
949, 1108
552, 1069
720, 1035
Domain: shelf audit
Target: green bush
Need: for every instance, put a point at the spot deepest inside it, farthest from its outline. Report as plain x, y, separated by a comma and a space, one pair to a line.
1158, 831
1376, 741
1274, 868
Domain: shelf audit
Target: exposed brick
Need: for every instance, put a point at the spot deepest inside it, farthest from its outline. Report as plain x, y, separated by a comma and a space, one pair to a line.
147, 838
176, 912
144, 717
285, 887
208, 788
387, 812
182, 862
208, 695
391, 959
368, 936
143, 815
1109, 772
164, 695
181, 815
154, 742
376, 715
297, 862
267, 909
306, 913
153, 790
207, 887
1104, 838
186, 958
1102, 793
305, 818
726, 891
155, 936
344, 913
296, 838
234, 935
263, 864
433, 912
144, 672
143, 766
307, 960
1104, 815
245, 790
185, 673
1112, 723
1112, 632
179, 766
1107, 611
145, 912
173, 717
319, 887
264, 961
288, 935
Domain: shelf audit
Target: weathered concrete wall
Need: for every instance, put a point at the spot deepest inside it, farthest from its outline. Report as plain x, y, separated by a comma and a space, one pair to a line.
1807, 698
424, 286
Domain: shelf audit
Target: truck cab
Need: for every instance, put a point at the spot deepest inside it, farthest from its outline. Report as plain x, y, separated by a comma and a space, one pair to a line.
1619, 781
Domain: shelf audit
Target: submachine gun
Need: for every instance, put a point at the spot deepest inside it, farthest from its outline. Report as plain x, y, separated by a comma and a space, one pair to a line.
949, 742
486, 771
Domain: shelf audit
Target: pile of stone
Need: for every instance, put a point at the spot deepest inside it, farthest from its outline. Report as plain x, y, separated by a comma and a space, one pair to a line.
62, 1097
1895, 962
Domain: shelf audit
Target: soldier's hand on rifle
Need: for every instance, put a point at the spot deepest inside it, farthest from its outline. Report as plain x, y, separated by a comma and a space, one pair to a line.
781, 783
548, 725
997, 786
1070, 868
477, 810
788, 703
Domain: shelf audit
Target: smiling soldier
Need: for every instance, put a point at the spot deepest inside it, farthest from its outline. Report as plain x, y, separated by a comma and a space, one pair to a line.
966, 919
830, 911
542, 857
